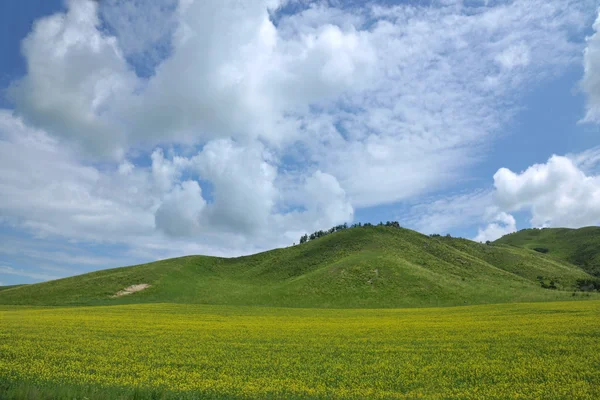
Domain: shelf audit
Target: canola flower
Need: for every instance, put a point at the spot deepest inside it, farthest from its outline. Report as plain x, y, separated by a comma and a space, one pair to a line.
516, 351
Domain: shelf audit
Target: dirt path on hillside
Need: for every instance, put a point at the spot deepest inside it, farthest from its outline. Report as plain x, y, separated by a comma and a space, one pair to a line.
131, 289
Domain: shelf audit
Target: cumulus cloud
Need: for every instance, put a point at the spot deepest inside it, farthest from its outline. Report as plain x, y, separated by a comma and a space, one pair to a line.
244, 184
591, 76
326, 203
557, 193
563, 192
49, 191
246, 80
502, 224
179, 214
74, 75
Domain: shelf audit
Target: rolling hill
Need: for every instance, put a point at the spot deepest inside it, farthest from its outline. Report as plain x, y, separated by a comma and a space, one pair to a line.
577, 246
364, 267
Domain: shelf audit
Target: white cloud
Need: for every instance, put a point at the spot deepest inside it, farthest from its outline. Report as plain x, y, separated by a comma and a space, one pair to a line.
514, 56
557, 193
437, 93
48, 191
179, 214
591, 76
244, 185
502, 224
74, 75
232, 73
441, 215
588, 161
325, 202
563, 192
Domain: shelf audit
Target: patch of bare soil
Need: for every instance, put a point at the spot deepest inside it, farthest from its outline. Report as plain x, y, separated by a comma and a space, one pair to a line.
131, 289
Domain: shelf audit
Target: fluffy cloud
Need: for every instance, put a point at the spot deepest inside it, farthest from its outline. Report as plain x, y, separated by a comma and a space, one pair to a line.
380, 76
179, 214
557, 193
50, 192
424, 113
323, 203
563, 192
48, 189
502, 224
244, 185
591, 77
74, 75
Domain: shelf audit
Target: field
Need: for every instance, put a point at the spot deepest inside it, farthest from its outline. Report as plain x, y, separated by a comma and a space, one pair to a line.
161, 351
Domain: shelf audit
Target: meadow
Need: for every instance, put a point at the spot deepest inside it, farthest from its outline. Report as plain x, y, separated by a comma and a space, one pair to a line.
164, 351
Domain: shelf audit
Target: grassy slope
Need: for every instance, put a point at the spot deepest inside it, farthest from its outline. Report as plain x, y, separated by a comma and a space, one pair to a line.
8, 287
362, 267
578, 246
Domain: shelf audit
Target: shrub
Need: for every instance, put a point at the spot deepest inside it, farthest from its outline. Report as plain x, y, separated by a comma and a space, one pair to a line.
588, 285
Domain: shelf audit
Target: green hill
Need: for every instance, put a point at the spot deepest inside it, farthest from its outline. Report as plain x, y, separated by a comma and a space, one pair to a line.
577, 246
365, 267
8, 287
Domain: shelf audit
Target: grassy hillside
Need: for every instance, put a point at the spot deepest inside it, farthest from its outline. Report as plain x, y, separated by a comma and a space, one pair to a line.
578, 246
361, 267
9, 287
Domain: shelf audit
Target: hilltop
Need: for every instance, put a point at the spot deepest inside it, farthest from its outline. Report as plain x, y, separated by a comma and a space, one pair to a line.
363, 267
577, 246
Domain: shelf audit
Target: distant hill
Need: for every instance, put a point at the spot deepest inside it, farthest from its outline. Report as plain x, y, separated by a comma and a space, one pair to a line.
577, 246
367, 267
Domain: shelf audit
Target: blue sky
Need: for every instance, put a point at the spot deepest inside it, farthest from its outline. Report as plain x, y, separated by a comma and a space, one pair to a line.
134, 131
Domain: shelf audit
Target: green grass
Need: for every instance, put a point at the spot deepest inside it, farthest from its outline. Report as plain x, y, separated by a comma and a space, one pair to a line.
169, 351
357, 268
577, 246
9, 287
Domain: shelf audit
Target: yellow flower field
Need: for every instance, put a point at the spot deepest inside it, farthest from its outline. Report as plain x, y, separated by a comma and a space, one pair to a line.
542, 350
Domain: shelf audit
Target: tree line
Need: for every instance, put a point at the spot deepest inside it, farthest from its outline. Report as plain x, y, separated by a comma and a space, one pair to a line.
320, 233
